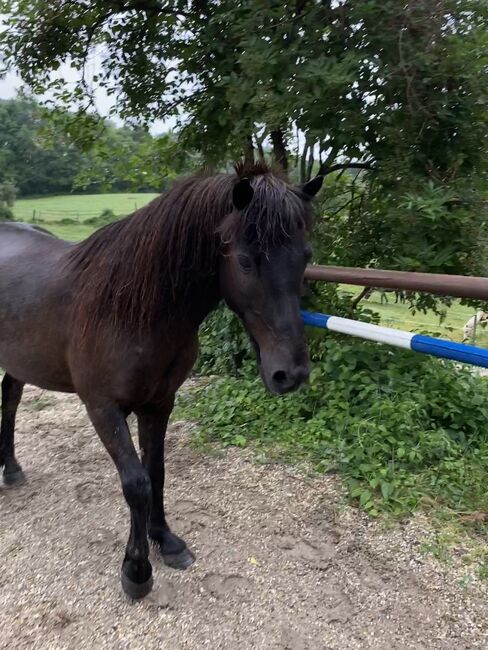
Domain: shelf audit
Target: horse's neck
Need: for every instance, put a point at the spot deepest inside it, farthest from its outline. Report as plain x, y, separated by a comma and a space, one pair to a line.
199, 297
203, 300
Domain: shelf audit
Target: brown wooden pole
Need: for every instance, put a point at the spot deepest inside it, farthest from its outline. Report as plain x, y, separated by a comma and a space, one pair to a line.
457, 286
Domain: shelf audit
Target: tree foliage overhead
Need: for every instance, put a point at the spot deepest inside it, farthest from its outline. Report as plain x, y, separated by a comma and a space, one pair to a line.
398, 88
350, 74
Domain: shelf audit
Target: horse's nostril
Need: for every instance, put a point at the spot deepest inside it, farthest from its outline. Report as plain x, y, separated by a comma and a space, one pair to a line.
280, 376
283, 381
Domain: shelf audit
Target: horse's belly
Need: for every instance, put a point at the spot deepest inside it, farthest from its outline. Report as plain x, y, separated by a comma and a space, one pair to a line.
33, 366
34, 351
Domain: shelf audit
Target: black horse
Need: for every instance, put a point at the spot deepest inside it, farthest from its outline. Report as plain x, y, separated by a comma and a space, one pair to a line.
115, 319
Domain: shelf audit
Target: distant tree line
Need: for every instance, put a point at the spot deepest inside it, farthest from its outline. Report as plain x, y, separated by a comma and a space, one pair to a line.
38, 157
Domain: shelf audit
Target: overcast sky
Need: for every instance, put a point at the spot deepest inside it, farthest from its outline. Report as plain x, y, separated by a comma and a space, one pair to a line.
8, 86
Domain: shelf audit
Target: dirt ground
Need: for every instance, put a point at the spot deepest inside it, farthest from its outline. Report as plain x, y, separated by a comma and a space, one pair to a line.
282, 563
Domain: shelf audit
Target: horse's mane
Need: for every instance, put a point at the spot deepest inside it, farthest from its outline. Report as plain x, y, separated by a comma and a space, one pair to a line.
127, 270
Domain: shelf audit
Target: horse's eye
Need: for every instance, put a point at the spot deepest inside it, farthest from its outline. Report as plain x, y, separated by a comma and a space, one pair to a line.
244, 263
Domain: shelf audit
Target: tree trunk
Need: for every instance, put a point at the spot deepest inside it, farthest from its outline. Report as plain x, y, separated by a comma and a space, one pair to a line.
310, 163
258, 140
303, 164
248, 150
279, 149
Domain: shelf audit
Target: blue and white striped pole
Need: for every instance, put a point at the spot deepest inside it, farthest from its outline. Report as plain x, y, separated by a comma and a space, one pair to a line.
417, 342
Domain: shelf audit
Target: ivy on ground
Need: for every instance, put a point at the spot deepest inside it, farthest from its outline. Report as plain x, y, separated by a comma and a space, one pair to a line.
400, 428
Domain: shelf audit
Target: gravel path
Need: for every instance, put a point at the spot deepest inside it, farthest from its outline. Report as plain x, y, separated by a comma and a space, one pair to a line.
282, 563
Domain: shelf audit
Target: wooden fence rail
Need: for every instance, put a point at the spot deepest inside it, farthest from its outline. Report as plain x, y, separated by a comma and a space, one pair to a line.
457, 286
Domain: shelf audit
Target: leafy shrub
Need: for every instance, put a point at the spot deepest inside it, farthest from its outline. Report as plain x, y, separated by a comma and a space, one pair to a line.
106, 217
8, 193
224, 345
6, 213
400, 428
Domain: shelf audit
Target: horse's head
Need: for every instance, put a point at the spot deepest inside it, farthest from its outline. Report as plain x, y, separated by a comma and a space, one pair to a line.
261, 274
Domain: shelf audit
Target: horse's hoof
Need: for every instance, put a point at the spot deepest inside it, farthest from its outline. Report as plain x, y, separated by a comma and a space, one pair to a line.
181, 560
136, 590
14, 478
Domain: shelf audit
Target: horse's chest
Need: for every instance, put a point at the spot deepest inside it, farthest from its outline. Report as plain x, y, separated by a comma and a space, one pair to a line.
139, 374
162, 371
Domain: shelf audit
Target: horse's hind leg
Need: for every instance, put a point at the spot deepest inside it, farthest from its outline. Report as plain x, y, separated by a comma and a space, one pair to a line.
11, 396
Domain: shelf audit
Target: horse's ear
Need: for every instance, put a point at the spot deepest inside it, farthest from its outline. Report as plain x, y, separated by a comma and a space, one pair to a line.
311, 188
242, 194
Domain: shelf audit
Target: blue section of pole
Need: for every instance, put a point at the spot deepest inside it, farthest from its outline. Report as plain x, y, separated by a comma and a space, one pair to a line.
450, 350
315, 320
417, 342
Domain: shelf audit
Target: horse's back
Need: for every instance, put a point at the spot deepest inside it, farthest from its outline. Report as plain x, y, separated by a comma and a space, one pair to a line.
29, 258
19, 239
35, 296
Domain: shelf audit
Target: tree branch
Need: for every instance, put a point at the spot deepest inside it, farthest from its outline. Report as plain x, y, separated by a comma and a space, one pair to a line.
90, 33
259, 144
310, 163
329, 217
279, 149
152, 6
182, 100
303, 163
364, 293
333, 151
326, 169
248, 150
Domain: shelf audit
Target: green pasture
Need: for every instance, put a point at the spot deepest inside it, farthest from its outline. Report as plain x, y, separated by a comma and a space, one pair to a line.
78, 206
70, 232
400, 317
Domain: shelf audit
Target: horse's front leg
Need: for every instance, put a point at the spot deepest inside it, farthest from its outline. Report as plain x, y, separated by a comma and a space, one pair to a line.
152, 421
109, 422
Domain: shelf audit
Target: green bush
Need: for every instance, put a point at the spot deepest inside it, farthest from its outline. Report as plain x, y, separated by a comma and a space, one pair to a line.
6, 213
106, 217
401, 428
224, 345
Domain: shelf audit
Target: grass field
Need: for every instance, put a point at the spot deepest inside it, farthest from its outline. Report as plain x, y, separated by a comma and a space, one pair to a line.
78, 206
70, 232
400, 317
